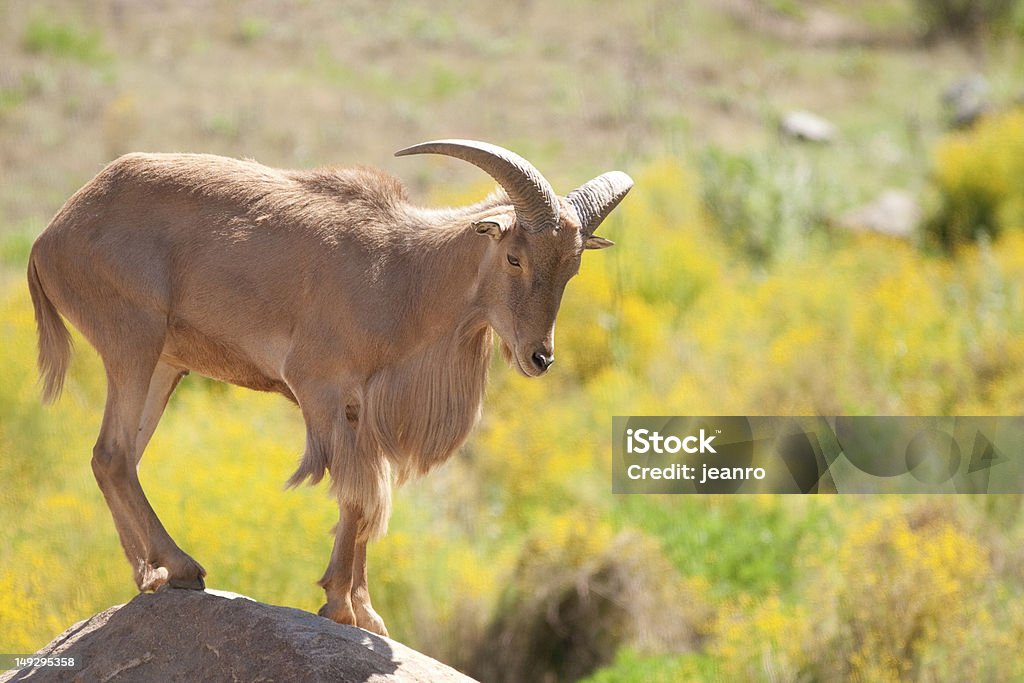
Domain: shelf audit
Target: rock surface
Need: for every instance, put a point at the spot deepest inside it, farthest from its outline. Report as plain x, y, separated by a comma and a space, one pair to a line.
181, 635
803, 125
966, 100
894, 212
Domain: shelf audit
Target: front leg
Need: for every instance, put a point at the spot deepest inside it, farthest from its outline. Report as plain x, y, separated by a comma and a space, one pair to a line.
345, 581
337, 580
361, 479
366, 617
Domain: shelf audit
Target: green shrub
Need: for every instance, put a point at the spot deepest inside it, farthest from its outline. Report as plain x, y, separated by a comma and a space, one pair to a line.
252, 29
64, 40
980, 178
765, 204
966, 18
631, 666
904, 592
577, 594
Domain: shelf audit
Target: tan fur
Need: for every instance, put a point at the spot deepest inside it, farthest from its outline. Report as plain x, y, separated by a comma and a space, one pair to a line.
54, 339
325, 286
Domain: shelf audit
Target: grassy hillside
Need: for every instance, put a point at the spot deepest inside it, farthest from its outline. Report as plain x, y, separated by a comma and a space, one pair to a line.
518, 539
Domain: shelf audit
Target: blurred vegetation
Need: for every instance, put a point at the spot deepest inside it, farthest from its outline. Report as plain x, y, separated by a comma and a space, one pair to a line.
979, 177
730, 291
769, 205
883, 601
63, 40
969, 18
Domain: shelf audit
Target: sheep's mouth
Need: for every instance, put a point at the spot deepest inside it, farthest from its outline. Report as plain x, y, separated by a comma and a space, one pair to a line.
526, 368
512, 359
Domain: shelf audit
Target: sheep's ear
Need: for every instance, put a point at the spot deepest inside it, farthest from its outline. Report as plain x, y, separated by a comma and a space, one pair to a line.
495, 225
595, 242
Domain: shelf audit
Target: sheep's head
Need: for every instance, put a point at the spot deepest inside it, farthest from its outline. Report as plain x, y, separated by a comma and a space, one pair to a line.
537, 239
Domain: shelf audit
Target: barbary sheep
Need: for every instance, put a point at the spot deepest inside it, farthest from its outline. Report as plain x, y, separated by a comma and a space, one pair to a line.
326, 286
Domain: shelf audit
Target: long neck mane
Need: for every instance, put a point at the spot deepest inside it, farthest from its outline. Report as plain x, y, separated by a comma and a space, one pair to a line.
420, 408
447, 252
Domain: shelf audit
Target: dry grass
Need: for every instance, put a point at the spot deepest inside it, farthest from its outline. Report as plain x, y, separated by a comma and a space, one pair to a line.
566, 83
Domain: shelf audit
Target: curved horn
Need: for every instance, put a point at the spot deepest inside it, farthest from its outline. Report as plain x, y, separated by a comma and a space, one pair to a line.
595, 199
535, 201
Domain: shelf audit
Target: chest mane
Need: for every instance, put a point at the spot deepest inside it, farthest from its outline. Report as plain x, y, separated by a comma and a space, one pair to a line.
421, 409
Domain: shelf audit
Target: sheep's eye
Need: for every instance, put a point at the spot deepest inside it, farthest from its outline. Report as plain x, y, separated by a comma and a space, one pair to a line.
512, 260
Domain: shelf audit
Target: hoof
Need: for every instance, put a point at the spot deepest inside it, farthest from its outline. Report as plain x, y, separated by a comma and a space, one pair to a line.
194, 584
340, 613
368, 620
188, 574
151, 578
375, 627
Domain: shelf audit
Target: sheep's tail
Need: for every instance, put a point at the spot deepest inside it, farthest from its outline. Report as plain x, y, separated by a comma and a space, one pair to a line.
54, 338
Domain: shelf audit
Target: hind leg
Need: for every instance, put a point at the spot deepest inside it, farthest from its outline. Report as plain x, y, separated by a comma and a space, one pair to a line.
128, 421
161, 385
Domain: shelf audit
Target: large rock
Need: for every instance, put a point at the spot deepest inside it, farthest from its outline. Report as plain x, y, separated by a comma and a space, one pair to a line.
181, 635
966, 100
803, 125
894, 212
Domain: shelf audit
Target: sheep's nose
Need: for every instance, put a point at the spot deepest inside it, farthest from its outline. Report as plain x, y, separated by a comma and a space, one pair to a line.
543, 360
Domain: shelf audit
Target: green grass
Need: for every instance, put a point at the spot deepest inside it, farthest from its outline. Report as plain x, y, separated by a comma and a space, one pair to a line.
634, 667
64, 40
15, 246
749, 544
252, 29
